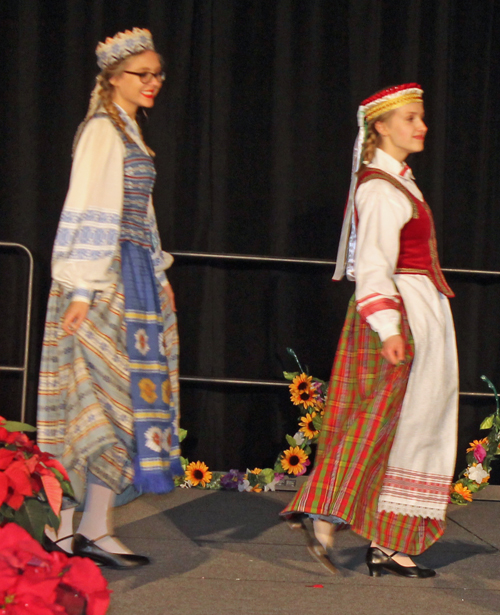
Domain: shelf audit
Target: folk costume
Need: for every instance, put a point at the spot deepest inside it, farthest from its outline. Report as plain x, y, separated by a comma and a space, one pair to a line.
109, 394
386, 452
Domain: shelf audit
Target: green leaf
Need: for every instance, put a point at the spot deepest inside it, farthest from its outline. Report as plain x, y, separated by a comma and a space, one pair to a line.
253, 479
267, 475
53, 520
317, 421
33, 516
184, 462
291, 441
487, 423
7, 512
182, 434
278, 467
290, 375
67, 488
307, 450
17, 426
57, 474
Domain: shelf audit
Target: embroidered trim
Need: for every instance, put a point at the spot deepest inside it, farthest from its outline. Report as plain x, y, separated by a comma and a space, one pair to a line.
377, 306
445, 289
414, 493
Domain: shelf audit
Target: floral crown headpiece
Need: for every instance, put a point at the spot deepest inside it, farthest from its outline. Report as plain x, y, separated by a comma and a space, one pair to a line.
122, 45
372, 107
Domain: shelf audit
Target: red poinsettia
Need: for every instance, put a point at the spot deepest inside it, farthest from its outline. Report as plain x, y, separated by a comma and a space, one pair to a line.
34, 582
32, 482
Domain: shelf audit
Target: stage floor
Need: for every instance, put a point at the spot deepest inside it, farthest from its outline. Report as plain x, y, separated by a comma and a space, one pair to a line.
225, 553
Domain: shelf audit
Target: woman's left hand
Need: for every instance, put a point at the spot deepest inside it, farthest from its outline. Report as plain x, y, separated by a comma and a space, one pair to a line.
170, 292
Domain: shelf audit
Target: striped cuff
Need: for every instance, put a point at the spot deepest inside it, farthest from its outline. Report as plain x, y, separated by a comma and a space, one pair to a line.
376, 303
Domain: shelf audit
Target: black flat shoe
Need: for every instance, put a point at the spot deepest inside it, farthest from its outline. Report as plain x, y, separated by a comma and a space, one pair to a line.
377, 560
51, 545
84, 547
316, 549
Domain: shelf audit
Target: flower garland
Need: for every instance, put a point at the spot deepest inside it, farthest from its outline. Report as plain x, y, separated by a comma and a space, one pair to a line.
308, 394
480, 454
41, 583
32, 483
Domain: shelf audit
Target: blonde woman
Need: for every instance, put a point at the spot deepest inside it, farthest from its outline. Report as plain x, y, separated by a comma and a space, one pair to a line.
108, 393
386, 452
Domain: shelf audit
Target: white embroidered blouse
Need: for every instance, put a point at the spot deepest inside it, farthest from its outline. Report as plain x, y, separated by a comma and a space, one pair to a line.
88, 234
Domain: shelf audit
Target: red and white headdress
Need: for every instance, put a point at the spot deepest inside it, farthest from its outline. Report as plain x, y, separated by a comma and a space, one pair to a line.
122, 45
371, 108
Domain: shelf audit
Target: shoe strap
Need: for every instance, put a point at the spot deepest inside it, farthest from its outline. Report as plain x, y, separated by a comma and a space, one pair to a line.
61, 539
101, 537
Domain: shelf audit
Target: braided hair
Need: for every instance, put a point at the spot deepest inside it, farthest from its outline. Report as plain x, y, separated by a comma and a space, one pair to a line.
102, 97
372, 140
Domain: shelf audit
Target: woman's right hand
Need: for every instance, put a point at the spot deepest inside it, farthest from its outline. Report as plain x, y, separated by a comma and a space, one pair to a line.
393, 349
74, 316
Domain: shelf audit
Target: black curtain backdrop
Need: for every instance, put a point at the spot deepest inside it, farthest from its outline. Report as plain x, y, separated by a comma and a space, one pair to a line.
253, 134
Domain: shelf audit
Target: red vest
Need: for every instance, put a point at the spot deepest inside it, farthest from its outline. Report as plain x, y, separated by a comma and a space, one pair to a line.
417, 243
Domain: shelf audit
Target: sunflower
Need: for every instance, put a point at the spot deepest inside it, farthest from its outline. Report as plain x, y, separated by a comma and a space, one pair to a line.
294, 461
306, 425
302, 392
475, 443
197, 472
256, 489
148, 390
460, 489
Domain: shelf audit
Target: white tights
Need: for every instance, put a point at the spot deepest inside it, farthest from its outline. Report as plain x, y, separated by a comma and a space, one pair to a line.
95, 524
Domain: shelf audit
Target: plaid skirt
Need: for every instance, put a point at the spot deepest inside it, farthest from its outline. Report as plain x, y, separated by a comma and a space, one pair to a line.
361, 416
85, 416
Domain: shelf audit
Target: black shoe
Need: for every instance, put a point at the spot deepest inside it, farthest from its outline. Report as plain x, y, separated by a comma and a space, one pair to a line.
377, 560
51, 545
84, 547
317, 550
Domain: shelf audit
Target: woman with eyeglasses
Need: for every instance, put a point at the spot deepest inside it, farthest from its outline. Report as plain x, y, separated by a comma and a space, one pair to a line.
108, 393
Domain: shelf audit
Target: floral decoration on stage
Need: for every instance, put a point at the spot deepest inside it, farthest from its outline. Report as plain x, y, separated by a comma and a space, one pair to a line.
308, 394
480, 454
32, 483
40, 583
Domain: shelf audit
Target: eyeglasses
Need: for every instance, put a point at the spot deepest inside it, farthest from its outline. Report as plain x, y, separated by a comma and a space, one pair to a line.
147, 76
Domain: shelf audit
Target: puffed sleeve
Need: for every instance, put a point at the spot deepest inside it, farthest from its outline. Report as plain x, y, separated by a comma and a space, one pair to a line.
89, 227
382, 212
161, 260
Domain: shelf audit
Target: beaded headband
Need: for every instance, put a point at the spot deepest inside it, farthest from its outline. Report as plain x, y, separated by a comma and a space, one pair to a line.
390, 99
122, 45
370, 108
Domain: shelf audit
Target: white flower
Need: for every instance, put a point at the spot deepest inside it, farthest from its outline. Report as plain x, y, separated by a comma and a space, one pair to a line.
161, 344
272, 485
187, 484
153, 439
244, 486
166, 439
141, 342
299, 438
477, 473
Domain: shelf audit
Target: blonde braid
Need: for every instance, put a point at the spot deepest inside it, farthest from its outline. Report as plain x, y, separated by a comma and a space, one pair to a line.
372, 140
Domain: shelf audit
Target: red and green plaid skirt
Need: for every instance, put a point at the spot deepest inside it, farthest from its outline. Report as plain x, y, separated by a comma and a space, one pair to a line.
363, 405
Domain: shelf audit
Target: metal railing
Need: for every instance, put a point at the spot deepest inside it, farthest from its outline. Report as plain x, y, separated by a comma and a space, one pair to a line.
24, 368
249, 258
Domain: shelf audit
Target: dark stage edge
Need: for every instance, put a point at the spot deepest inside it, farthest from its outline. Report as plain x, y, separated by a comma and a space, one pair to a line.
225, 553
